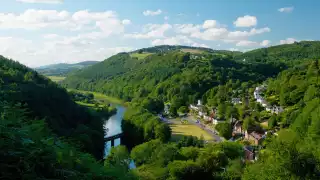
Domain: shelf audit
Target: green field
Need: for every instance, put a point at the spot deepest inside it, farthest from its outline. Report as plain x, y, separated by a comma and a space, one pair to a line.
56, 78
140, 55
180, 130
100, 96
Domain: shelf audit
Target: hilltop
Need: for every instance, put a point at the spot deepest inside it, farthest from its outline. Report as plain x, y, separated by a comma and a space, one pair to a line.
62, 69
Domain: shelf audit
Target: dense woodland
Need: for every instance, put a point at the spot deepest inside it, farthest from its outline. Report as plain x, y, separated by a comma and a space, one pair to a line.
44, 134
171, 75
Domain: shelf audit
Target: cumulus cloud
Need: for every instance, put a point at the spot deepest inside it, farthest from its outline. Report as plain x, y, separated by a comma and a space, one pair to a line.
265, 43
246, 43
42, 1
246, 21
152, 13
177, 40
288, 41
151, 31
186, 28
126, 22
166, 18
32, 19
286, 9
209, 24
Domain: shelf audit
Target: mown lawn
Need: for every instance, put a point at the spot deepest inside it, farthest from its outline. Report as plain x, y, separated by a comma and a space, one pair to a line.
140, 56
56, 78
180, 130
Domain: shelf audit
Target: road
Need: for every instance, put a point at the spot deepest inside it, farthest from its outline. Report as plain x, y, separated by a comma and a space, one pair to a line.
193, 120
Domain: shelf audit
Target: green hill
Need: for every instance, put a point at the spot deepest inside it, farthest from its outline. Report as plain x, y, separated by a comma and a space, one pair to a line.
169, 75
62, 69
44, 99
290, 54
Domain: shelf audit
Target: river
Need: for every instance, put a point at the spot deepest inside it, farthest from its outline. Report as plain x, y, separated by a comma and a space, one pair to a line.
112, 127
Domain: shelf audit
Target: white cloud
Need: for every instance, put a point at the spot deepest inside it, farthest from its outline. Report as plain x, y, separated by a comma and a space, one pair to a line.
245, 21
246, 43
126, 22
286, 9
151, 31
209, 24
233, 49
288, 41
186, 28
166, 18
177, 40
238, 35
152, 13
51, 36
265, 43
42, 1
211, 34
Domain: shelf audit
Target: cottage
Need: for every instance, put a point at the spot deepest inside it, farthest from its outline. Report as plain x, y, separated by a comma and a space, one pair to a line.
249, 153
254, 137
237, 128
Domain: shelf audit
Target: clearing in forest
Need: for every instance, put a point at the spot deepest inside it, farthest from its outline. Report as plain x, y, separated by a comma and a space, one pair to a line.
140, 55
180, 130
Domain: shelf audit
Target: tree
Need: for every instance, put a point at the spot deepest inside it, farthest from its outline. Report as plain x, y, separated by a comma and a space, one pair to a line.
173, 111
163, 132
183, 109
272, 122
118, 157
224, 129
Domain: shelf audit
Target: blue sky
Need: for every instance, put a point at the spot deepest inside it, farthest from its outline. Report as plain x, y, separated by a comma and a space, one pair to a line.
40, 32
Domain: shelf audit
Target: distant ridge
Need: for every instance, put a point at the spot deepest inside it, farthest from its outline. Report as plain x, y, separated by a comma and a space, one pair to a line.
62, 69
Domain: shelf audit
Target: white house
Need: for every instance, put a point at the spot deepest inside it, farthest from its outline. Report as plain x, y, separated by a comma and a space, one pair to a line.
236, 100
217, 121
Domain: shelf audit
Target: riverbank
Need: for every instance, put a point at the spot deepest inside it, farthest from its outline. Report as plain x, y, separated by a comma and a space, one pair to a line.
101, 97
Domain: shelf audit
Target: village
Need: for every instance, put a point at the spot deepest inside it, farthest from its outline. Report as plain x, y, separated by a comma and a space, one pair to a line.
252, 137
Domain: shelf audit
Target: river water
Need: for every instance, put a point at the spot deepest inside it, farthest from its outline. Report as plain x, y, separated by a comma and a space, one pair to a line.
112, 127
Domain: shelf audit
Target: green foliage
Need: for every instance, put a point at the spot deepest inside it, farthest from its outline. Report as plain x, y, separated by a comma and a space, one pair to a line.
119, 157
183, 109
224, 129
46, 100
140, 126
29, 150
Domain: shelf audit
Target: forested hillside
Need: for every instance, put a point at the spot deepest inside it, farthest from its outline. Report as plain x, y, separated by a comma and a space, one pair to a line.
168, 76
45, 135
46, 100
290, 54
294, 153
63, 69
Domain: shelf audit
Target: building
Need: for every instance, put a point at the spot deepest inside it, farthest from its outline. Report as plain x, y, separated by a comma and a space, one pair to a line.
166, 108
249, 153
255, 137
216, 121
237, 128
236, 101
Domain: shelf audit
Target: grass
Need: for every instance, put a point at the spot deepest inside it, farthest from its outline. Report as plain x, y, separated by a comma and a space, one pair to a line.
180, 130
56, 78
87, 104
100, 96
140, 55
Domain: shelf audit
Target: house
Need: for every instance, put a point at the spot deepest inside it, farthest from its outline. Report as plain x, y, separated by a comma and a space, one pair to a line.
255, 137
249, 153
236, 101
166, 108
216, 121
237, 128
193, 107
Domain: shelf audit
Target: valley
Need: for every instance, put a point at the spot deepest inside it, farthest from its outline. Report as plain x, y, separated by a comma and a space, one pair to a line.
178, 107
